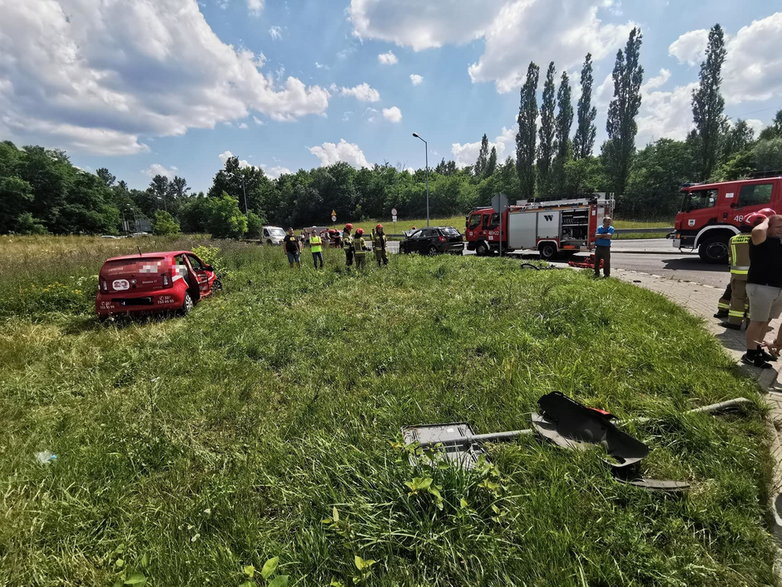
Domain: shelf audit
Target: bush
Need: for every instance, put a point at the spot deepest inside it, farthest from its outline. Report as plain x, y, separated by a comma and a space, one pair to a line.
164, 224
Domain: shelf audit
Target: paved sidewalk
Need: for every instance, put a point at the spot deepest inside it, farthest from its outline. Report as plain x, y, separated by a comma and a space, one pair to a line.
701, 300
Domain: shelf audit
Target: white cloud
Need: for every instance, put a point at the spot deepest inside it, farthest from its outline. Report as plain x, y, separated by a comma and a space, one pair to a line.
753, 66
255, 7
275, 32
363, 92
158, 169
258, 121
329, 153
412, 23
103, 77
225, 155
465, 154
416, 79
572, 29
664, 114
659, 80
275, 171
387, 58
689, 48
242, 125
392, 114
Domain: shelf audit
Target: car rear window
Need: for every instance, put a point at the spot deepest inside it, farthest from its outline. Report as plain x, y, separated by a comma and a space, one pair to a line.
450, 231
140, 265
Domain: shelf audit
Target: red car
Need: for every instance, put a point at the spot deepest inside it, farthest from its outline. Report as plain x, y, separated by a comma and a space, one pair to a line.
153, 282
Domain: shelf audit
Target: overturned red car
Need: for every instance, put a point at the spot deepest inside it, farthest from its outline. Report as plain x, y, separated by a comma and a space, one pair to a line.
153, 282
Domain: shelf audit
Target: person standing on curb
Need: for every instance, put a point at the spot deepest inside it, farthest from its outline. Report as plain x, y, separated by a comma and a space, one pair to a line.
764, 285
379, 245
603, 238
316, 248
360, 246
292, 248
347, 244
738, 259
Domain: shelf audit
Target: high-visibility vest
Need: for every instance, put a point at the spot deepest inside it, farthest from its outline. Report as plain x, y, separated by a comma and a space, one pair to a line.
315, 243
379, 241
347, 241
738, 254
359, 244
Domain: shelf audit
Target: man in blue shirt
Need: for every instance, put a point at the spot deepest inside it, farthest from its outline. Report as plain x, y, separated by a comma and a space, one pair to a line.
603, 238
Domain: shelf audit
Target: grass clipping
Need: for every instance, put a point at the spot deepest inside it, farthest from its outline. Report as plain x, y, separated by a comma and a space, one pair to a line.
261, 432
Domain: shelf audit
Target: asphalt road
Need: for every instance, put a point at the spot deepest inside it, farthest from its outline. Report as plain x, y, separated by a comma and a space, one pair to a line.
652, 256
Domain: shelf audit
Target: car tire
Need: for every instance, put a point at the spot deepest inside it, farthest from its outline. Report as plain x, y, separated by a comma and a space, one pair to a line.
714, 250
432, 251
187, 305
269, 243
217, 285
548, 251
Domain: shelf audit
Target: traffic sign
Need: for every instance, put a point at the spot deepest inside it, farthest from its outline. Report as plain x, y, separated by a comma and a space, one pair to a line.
333, 217
393, 218
393, 212
333, 212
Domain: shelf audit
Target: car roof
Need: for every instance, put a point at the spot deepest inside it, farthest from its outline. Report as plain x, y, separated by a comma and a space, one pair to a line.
149, 255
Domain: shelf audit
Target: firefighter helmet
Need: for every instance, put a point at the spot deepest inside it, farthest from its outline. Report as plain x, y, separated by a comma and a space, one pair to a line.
359, 231
754, 218
379, 226
767, 212
348, 226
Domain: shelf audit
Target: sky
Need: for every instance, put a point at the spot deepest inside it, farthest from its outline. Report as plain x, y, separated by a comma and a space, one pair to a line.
174, 87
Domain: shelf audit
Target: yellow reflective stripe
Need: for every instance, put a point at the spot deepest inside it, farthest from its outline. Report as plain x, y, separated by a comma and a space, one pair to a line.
736, 314
740, 271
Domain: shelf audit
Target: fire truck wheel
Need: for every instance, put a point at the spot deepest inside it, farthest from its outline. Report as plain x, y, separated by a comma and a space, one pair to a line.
548, 251
714, 250
482, 249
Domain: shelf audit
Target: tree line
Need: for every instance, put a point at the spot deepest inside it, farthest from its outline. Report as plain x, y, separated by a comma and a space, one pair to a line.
41, 191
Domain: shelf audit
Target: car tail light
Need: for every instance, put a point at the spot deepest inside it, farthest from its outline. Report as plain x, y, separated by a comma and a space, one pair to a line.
103, 285
166, 279
441, 238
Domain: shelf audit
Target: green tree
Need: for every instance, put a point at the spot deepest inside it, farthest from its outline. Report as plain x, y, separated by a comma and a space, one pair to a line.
546, 133
105, 176
225, 218
164, 224
16, 195
708, 104
491, 164
254, 225
656, 176
773, 130
584, 140
27, 224
621, 126
525, 138
562, 144
483, 158
767, 154
739, 137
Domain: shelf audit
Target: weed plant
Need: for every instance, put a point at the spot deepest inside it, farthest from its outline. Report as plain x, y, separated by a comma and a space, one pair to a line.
266, 425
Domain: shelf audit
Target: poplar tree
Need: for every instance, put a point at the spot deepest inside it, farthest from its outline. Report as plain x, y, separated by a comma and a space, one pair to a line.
546, 132
584, 140
491, 165
483, 157
621, 126
525, 138
562, 145
708, 104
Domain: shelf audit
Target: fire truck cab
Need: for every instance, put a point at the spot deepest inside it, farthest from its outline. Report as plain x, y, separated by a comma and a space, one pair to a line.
712, 213
553, 227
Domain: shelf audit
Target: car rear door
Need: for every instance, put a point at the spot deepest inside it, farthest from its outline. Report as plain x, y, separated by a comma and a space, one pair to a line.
132, 276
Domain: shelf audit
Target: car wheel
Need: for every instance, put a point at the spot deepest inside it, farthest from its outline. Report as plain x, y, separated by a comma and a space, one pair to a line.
187, 305
217, 285
548, 251
482, 249
269, 243
432, 251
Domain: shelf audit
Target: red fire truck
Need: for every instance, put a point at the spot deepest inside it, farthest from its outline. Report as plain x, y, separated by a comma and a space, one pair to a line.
560, 226
711, 213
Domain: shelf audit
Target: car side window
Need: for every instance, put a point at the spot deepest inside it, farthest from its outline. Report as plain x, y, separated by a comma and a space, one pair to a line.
195, 263
751, 195
416, 234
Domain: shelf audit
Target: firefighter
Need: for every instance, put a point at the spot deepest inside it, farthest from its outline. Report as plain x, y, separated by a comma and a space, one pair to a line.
347, 244
738, 259
379, 245
723, 304
360, 249
316, 248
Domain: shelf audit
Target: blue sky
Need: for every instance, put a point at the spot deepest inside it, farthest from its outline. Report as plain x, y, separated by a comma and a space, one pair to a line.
174, 86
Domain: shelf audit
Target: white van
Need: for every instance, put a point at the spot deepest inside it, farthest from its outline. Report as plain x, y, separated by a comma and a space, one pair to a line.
272, 235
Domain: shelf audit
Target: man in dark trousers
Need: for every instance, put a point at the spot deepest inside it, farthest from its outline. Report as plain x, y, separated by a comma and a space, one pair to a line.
379, 245
764, 285
292, 248
347, 244
603, 238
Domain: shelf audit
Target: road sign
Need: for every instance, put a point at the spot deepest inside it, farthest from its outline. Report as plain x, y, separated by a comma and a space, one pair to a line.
333, 212
393, 212
393, 218
333, 217
499, 202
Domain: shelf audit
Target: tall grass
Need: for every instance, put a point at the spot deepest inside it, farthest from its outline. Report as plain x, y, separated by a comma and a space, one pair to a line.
266, 424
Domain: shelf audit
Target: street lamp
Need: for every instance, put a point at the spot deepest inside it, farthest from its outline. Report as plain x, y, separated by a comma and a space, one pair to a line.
426, 154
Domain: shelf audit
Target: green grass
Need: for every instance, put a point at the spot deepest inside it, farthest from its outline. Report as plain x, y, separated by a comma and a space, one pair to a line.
191, 448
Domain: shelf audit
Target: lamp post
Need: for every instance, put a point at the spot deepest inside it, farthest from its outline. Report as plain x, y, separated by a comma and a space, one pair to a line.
426, 154
244, 193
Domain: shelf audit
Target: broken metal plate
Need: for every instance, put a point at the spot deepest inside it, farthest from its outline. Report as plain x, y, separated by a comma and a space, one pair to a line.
457, 448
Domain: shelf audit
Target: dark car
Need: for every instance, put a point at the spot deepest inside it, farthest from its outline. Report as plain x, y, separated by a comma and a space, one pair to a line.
432, 240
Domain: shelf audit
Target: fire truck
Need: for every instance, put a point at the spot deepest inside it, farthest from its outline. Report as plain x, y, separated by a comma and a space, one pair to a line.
554, 227
712, 213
